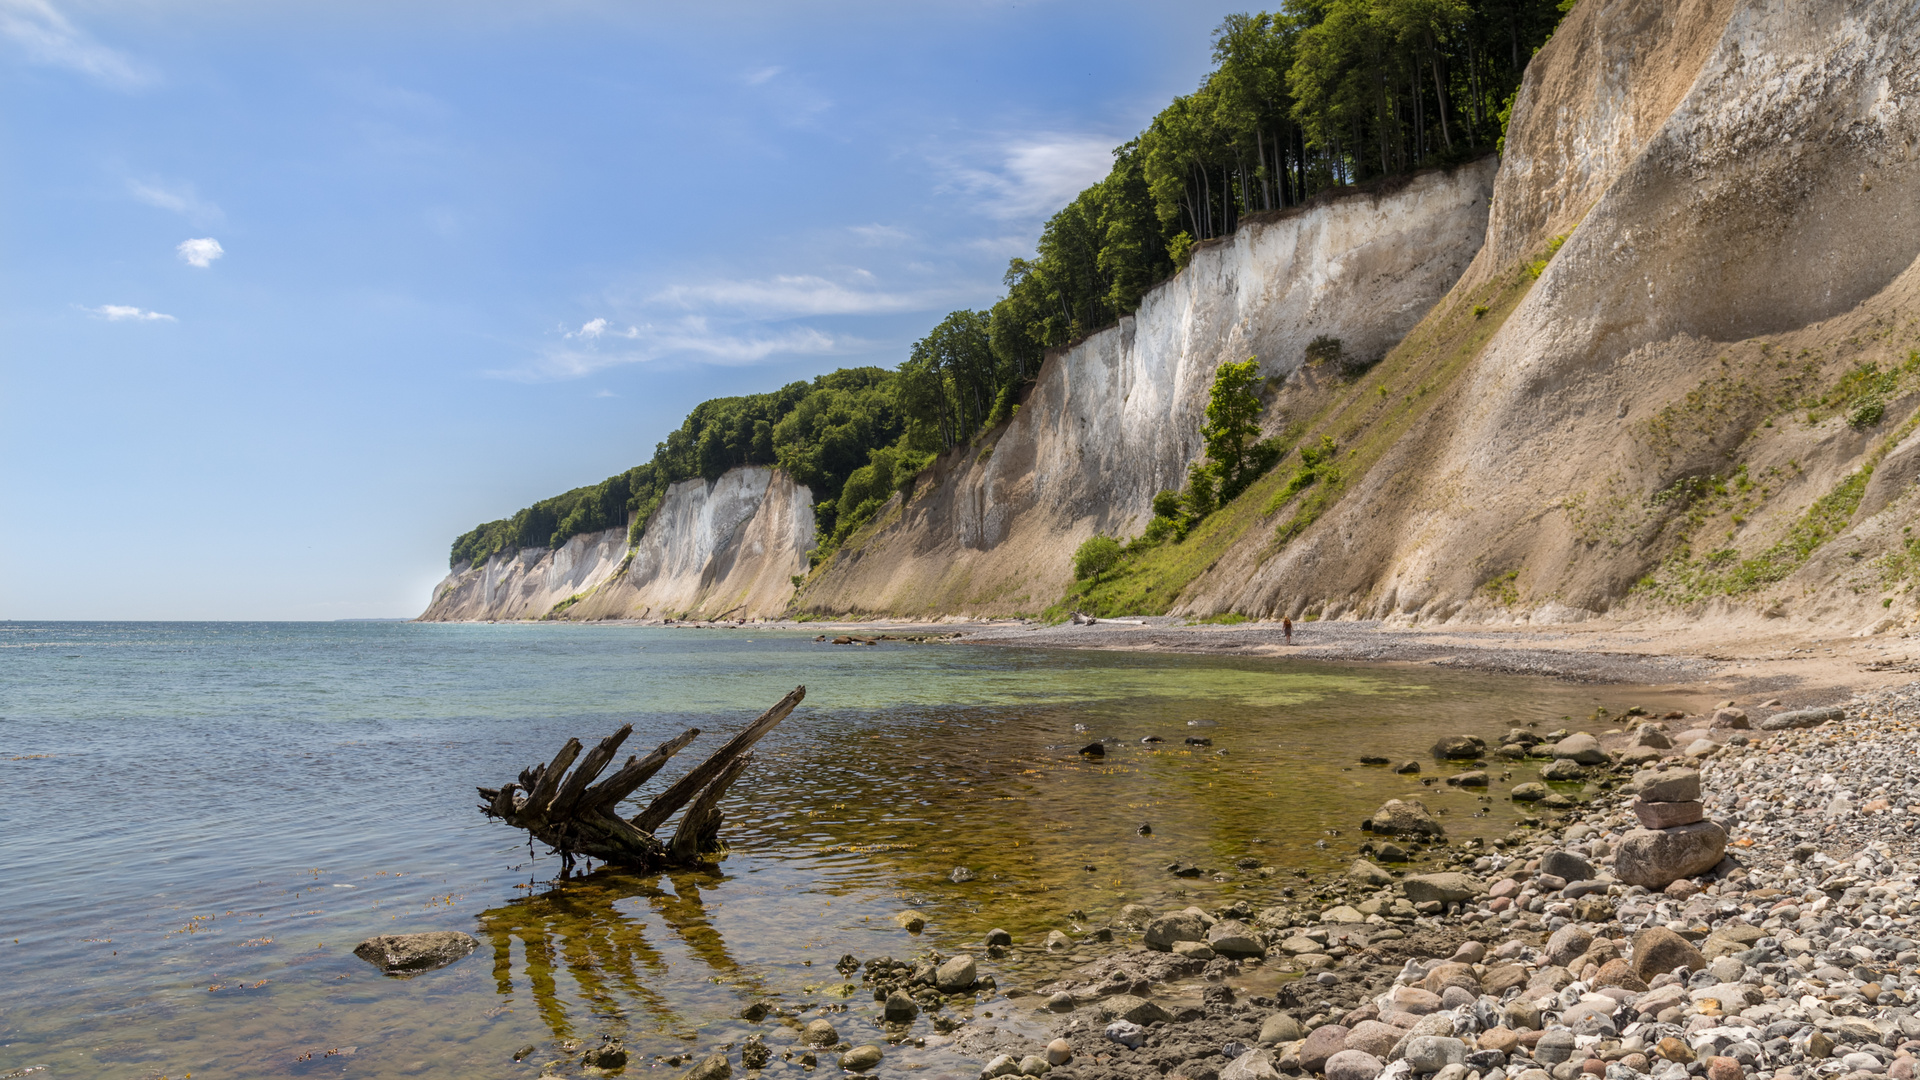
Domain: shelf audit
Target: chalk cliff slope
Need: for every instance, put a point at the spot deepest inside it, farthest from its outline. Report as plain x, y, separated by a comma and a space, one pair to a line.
1116, 418
726, 549
1705, 402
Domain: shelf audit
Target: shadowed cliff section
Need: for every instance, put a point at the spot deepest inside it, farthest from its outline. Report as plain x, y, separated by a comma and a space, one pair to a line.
726, 549
1111, 421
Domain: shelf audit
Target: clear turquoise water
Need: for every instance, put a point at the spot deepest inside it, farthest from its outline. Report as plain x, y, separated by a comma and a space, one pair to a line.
200, 820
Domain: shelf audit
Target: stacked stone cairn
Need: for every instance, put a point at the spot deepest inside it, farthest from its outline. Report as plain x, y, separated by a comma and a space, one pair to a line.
1675, 839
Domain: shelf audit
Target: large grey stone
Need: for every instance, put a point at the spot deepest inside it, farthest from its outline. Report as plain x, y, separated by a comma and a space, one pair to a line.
860, 1058
1652, 737
1134, 1010
1656, 859
1561, 769
406, 955
955, 975
1666, 785
1397, 818
1566, 866
1802, 718
1580, 747
1164, 930
1450, 887
1252, 1065
1431, 1053
1568, 944
1231, 937
819, 1032
1366, 874
1459, 747
900, 1008
1554, 1047
1280, 1028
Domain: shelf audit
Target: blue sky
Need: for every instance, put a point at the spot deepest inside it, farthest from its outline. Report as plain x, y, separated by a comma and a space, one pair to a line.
291, 294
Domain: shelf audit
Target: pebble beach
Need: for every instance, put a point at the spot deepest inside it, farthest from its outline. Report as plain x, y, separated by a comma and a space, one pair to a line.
1554, 953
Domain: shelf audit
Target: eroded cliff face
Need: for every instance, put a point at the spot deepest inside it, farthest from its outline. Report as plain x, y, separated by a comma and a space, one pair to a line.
727, 549
1115, 419
1662, 426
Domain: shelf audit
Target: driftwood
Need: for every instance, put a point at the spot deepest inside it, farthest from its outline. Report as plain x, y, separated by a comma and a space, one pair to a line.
575, 816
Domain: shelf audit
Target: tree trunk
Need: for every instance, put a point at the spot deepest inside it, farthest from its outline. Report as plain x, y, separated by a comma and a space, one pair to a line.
1440, 94
575, 816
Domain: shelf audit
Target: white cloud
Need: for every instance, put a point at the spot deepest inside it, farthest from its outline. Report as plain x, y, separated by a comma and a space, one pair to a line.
200, 252
604, 393
755, 78
179, 198
124, 313
787, 296
1036, 174
687, 337
38, 28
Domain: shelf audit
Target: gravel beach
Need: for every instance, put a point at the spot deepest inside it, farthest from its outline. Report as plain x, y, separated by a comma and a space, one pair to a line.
1534, 958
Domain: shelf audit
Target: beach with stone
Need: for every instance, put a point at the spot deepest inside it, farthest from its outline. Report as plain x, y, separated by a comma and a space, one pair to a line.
1737, 900
1729, 896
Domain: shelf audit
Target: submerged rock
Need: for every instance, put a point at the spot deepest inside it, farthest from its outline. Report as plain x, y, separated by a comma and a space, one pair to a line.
406, 955
1398, 818
1459, 747
1164, 930
955, 975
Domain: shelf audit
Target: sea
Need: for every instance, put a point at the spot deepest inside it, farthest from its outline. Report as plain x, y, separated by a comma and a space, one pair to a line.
200, 821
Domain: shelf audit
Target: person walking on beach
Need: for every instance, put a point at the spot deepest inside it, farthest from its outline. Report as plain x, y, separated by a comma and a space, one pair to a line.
1286, 627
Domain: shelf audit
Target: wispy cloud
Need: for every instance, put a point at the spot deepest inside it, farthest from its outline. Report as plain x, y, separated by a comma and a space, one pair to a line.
1033, 175
788, 296
125, 313
755, 78
38, 29
690, 337
200, 252
178, 198
595, 329
880, 235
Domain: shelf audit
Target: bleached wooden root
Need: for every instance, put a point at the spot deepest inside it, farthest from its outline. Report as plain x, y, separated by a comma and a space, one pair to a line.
574, 815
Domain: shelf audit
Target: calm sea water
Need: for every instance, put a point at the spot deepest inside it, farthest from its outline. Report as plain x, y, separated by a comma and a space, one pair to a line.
200, 820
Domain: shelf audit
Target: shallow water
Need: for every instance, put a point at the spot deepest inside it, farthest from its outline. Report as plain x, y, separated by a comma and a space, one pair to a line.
202, 819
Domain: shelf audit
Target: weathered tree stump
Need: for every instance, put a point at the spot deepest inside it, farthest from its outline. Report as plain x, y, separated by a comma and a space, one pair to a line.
575, 816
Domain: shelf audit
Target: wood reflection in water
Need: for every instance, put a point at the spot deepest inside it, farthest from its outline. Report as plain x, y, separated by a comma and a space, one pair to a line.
579, 927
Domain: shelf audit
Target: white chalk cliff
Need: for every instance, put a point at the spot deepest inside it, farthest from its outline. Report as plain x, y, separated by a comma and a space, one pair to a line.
1116, 418
726, 549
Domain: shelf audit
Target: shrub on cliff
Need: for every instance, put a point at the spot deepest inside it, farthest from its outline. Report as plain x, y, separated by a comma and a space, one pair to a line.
1095, 556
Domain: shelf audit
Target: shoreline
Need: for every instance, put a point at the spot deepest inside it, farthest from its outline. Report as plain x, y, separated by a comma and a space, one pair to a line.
1793, 666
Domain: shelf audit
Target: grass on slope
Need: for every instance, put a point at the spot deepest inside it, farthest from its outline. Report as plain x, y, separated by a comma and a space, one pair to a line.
1363, 420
